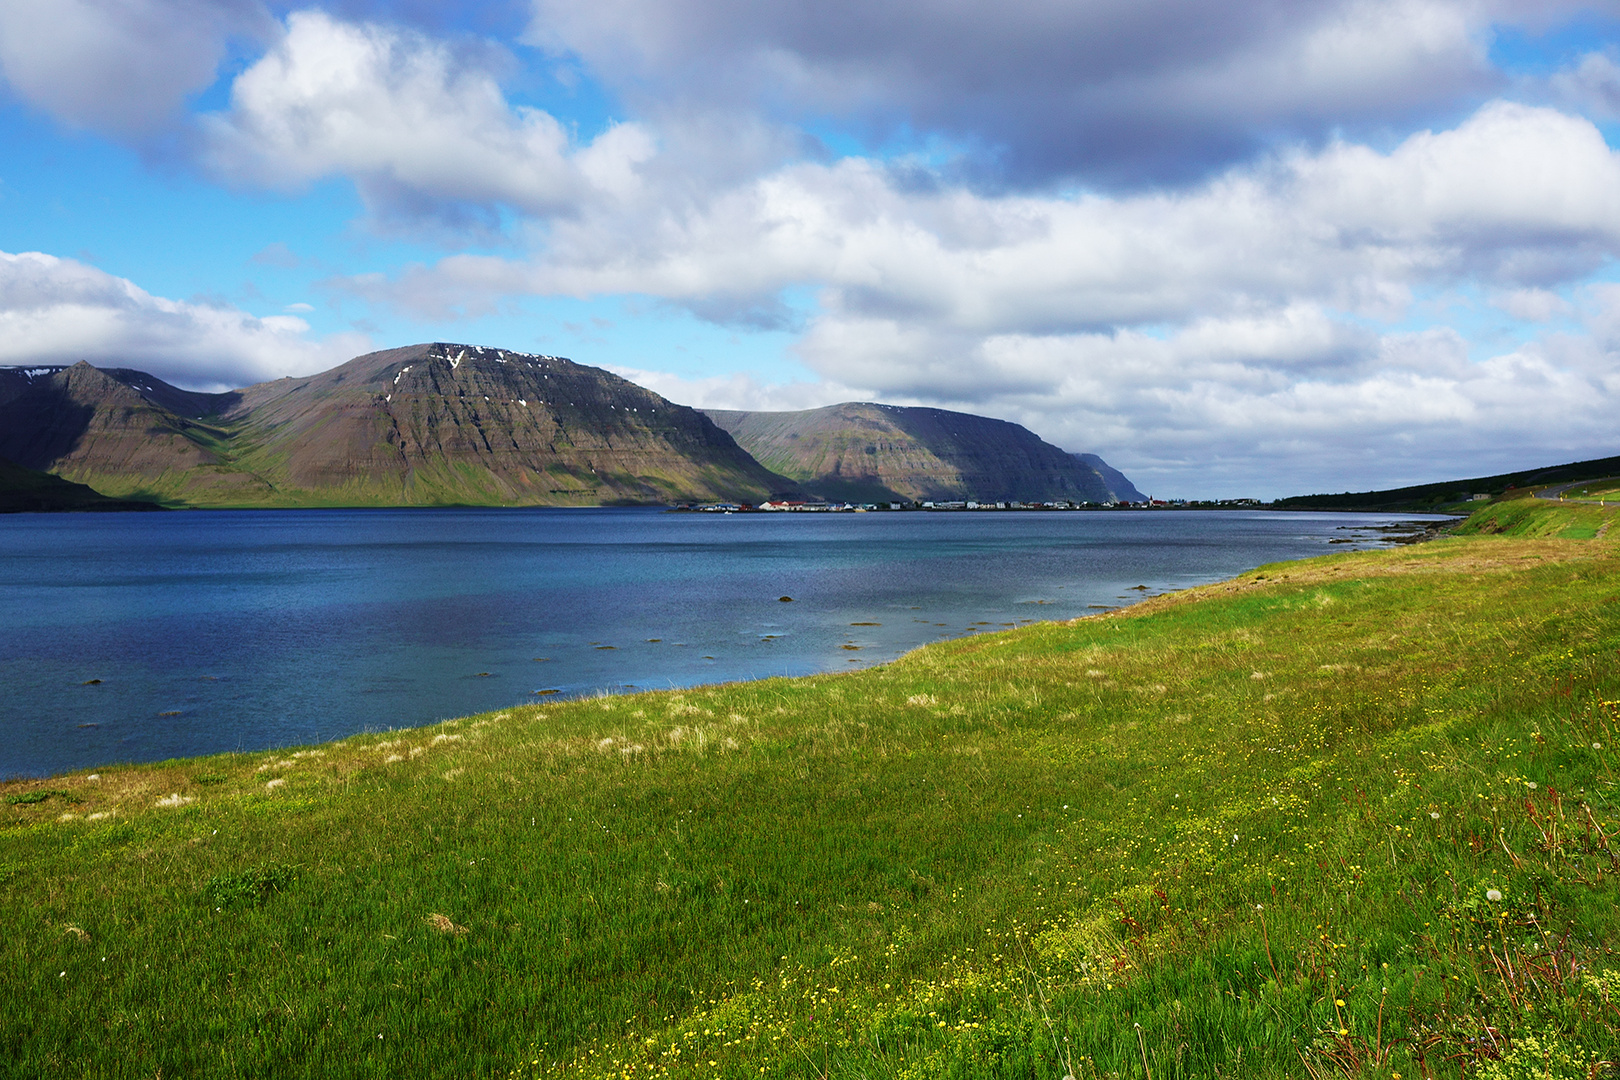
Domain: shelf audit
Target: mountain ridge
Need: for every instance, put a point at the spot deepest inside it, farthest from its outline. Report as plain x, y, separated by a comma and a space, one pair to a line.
429, 424
443, 423
868, 451
1454, 493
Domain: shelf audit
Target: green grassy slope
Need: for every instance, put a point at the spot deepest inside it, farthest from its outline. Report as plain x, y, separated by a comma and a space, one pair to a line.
1453, 495
1353, 816
29, 491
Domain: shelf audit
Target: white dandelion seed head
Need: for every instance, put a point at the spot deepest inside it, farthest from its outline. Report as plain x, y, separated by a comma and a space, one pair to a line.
1531, 784
1493, 895
1435, 814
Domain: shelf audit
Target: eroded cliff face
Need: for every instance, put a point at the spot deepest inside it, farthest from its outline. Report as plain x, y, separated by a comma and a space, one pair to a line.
427, 424
874, 452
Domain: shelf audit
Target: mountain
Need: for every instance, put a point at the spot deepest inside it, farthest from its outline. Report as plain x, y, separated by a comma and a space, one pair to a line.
1123, 490
120, 431
30, 491
871, 453
1453, 493
433, 424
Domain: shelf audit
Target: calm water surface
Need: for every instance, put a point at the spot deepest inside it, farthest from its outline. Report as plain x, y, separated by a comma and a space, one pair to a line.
227, 630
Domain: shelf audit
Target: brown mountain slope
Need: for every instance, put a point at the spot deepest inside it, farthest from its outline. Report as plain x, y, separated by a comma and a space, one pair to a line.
464, 423
863, 451
120, 431
427, 424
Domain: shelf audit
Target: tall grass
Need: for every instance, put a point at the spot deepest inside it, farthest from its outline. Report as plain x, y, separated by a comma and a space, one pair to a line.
1354, 816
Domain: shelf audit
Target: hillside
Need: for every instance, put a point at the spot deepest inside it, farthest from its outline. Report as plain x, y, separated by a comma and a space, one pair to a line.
1454, 494
1355, 816
868, 452
29, 491
423, 425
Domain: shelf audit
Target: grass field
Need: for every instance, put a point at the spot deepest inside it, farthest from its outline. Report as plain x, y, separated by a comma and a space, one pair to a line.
1355, 816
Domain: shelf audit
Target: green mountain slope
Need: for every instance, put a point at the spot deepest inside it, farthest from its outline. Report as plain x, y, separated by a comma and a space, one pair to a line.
1350, 817
1455, 493
30, 491
423, 425
868, 452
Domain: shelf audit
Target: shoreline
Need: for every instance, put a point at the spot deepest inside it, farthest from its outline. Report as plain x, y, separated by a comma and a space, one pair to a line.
1154, 816
1404, 536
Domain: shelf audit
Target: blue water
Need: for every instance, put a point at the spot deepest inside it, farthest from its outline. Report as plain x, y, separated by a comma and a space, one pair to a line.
238, 630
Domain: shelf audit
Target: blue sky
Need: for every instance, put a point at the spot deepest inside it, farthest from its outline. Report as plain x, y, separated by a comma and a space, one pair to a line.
1314, 245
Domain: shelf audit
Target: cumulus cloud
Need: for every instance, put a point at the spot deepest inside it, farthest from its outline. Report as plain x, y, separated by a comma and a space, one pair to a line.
742, 390
59, 311
123, 67
1115, 91
1245, 312
1591, 85
1411, 407
1178, 233
421, 130
1532, 305
1514, 197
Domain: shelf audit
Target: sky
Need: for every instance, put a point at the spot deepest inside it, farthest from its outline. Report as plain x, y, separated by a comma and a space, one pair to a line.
1239, 250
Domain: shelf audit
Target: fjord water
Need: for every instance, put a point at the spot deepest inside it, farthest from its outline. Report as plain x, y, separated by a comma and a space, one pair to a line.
139, 637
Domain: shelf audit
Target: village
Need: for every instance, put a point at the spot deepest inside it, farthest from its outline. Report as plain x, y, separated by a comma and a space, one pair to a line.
818, 506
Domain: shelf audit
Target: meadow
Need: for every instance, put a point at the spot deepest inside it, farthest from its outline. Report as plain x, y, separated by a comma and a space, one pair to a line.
1353, 816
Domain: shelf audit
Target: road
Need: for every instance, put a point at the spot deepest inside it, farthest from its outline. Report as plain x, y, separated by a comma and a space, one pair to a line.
1557, 491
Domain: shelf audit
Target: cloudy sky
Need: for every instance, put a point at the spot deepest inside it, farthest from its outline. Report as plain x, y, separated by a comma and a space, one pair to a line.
1260, 248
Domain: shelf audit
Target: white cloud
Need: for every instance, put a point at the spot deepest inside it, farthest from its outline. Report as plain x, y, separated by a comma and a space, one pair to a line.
741, 390
1514, 197
1592, 85
1532, 305
419, 129
1412, 408
119, 66
1256, 312
1243, 314
1112, 90
59, 311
